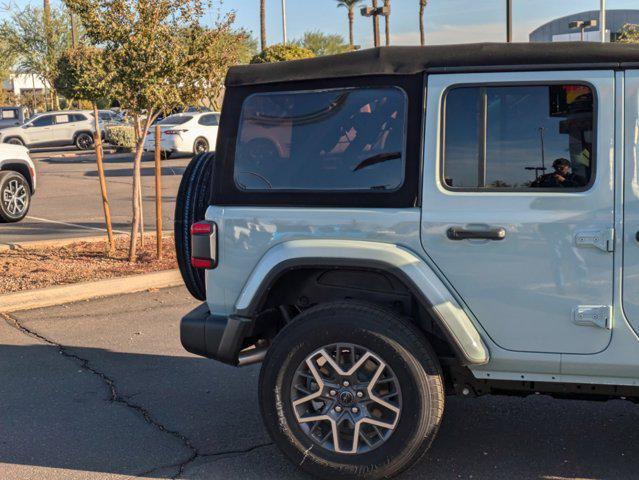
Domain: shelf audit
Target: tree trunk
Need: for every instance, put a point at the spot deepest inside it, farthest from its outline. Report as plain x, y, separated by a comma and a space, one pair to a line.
422, 35
263, 24
103, 188
387, 22
351, 18
139, 150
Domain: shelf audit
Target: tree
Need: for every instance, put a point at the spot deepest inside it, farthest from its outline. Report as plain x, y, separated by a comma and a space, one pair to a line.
422, 34
159, 57
323, 44
350, 6
83, 74
37, 43
387, 22
629, 33
282, 53
263, 24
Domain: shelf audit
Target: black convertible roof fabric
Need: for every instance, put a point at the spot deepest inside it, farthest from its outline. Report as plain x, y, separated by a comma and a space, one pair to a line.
411, 60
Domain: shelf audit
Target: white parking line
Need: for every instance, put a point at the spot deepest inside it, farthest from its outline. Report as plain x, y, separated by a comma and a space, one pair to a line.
75, 225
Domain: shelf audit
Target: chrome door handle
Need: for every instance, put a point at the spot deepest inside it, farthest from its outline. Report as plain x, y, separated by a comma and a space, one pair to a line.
461, 233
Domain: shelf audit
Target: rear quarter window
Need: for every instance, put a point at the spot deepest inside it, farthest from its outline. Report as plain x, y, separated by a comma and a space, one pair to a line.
350, 139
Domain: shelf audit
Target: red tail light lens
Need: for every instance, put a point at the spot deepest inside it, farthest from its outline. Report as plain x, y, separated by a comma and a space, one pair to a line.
201, 228
201, 263
204, 245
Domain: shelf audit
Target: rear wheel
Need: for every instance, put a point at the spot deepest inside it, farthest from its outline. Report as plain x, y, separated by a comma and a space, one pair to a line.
190, 207
84, 141
14, 141
15, 196
201, 145
351, 391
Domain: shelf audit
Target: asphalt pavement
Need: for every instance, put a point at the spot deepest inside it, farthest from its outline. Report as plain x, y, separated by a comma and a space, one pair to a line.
68, 203
103, 389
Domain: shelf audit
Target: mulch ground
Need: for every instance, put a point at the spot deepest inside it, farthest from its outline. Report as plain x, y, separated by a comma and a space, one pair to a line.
32, 268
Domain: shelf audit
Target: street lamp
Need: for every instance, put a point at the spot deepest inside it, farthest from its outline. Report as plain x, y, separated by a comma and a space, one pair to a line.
375, 12
582, 25
509, 21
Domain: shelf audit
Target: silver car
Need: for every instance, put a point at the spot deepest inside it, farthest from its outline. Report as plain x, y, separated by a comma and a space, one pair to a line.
73, 127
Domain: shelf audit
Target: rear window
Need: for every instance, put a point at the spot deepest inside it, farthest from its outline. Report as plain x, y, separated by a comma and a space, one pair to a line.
175, 120
9, 114
340, 139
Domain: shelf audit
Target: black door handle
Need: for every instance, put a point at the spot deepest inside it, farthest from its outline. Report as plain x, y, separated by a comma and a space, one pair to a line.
460, 233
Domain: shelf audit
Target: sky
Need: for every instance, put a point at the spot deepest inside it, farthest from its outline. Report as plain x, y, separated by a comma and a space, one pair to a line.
447, 21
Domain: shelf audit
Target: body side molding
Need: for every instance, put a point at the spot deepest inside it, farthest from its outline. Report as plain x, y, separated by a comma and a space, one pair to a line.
407, 266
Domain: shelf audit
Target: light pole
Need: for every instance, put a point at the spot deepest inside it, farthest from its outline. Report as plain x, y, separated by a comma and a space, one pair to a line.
582, 25
375, 12
509, 21
602, 21
284, 21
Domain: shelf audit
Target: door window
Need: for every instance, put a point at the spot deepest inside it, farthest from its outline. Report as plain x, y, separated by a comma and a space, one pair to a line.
519, 137
9, 114
59, 119
44, 121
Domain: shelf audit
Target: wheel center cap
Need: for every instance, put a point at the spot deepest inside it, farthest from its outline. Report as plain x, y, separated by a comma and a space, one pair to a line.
346, 397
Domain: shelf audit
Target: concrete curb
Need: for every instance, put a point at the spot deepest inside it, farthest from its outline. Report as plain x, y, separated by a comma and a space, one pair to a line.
66, 241
47, 297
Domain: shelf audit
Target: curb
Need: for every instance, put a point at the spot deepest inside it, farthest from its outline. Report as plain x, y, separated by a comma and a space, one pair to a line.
58, 295
66, 241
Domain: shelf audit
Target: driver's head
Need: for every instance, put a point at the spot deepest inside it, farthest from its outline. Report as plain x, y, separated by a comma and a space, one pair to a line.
561, 166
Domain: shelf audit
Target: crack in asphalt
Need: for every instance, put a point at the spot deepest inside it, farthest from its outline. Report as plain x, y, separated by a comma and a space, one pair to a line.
121, 399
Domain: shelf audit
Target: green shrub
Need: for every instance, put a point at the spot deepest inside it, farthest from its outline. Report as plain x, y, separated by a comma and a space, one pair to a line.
122, 136
282, 53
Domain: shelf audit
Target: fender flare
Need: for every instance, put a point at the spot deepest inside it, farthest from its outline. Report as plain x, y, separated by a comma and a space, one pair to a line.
407, 266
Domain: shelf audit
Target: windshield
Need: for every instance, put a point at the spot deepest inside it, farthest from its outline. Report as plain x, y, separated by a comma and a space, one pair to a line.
175, 120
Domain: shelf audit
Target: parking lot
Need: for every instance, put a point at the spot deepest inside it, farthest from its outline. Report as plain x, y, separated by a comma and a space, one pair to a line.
68, 202
103, 389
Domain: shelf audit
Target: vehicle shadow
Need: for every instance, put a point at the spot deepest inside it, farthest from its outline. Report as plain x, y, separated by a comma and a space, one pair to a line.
144, 171
88, 415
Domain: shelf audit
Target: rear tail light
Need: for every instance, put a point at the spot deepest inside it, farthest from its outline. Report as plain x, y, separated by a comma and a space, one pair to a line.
204, 244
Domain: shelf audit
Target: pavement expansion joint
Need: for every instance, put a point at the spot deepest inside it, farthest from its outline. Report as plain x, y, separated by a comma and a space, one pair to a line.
122, 399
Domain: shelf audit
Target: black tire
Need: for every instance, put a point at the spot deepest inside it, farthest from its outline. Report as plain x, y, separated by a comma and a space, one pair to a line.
14, 141
190, 207
201, 145
401, 346
83, 141
14, 186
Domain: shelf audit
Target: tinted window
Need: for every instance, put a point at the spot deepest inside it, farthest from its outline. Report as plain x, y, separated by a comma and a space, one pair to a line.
208, 120
519, 137
44, 121
346, 139
175, 120
77, 117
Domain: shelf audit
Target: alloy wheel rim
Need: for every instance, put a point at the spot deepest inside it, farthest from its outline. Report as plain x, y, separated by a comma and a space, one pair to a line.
84, 141
15, 198
346, 399
200, 146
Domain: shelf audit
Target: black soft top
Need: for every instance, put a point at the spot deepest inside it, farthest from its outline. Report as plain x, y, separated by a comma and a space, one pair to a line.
441, 58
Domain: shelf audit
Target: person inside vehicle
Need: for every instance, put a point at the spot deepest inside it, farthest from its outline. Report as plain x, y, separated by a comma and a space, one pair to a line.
562, 177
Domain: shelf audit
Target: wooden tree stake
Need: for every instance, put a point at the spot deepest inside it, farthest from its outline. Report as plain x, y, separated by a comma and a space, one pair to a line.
103, 188
158, 191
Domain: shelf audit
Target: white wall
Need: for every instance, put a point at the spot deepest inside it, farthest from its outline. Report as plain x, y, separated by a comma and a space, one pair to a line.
24, 84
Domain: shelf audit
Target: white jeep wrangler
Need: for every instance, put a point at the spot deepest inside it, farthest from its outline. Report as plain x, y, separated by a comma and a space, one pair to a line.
387, 227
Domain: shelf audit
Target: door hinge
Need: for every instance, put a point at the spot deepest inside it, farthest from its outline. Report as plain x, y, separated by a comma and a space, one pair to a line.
601, 239
593, 316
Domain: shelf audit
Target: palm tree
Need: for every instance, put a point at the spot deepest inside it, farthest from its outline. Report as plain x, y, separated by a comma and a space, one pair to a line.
422, 6
350, 5
387, 22
263, 24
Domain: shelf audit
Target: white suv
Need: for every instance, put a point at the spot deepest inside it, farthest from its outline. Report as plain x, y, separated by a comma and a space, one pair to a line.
53, 129
186, 133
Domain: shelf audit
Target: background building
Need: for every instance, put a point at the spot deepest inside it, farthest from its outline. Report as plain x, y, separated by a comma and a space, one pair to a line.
559, 30
24, 84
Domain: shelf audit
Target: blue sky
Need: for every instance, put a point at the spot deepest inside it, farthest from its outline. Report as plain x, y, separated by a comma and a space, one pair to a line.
447, 21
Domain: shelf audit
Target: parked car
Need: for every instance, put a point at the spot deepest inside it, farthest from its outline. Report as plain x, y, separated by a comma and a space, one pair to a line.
69, 127
12, 116
388, 226
186, 133
109, 118
17, 182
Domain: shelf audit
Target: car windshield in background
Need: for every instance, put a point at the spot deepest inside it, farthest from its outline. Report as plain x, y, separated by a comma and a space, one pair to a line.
343, 139
175, 120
